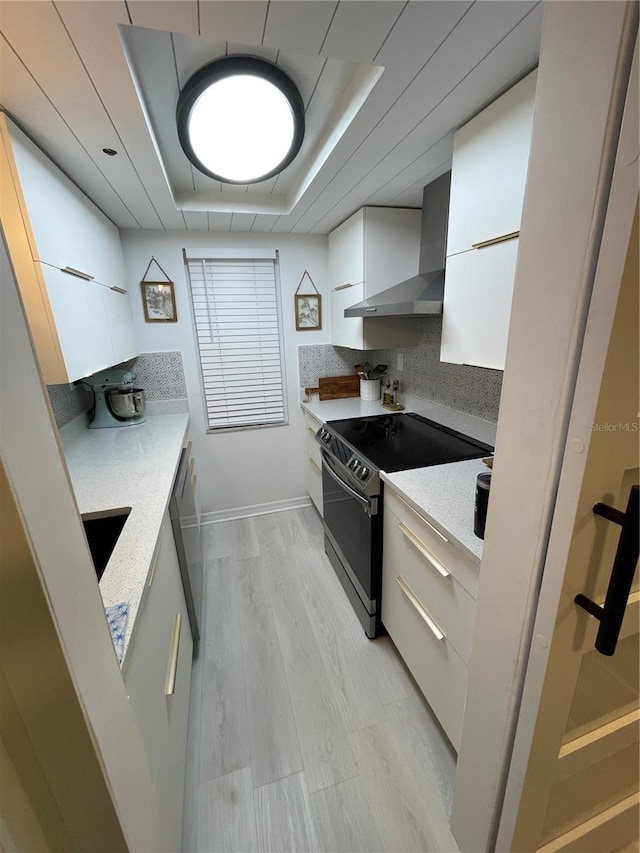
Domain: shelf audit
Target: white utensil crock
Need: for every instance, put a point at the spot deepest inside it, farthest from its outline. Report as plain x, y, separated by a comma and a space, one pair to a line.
369, 389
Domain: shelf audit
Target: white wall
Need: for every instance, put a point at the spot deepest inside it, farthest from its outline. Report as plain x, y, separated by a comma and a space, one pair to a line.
248, 467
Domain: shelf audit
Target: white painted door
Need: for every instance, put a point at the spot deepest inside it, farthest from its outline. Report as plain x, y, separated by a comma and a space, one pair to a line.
573, 782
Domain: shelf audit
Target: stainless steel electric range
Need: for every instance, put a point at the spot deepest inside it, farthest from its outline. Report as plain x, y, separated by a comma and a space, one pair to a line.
354, 451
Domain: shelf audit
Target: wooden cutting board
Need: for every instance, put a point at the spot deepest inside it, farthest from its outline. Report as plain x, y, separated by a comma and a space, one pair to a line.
337, 387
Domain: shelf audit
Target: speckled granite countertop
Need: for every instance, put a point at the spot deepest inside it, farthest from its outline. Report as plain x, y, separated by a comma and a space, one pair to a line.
444, 494
129, 467
353, 407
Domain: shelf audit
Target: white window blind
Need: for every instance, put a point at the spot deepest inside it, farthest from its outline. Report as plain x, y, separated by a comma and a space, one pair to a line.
237, 316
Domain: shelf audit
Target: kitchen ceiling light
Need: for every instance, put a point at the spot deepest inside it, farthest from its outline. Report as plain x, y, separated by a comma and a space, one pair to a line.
240, 119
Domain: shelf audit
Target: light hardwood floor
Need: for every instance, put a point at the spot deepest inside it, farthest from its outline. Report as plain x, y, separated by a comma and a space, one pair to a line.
303, 734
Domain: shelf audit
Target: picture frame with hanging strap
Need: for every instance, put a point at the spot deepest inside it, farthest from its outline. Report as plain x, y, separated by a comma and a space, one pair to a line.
158, 297
308, 307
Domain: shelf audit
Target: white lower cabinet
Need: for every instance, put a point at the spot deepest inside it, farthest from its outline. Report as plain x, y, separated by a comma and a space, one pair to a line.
428, 607
314, 460
157, 675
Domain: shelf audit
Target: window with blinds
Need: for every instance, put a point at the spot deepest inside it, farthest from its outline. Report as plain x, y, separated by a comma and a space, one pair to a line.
237, 315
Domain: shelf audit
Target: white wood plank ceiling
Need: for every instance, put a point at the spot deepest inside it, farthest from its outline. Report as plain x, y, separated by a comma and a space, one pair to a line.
65, 77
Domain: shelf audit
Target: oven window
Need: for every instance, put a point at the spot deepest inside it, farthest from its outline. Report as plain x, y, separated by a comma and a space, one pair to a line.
354, 532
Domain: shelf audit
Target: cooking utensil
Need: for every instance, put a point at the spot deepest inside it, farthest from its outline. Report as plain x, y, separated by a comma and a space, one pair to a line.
378, 371
367, 367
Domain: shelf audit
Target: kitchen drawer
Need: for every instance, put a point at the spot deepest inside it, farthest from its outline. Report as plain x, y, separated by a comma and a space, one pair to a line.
439, 671
313, 448
314, 460
314, 484
447, 602
462, 567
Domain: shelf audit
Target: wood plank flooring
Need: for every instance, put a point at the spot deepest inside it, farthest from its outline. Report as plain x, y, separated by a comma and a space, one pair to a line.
303, 734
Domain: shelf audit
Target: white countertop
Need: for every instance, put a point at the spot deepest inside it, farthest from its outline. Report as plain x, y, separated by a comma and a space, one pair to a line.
354, 407
444, 494
126, 467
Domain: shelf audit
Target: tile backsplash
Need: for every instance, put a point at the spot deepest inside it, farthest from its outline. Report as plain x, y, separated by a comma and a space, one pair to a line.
161, 374
475, 390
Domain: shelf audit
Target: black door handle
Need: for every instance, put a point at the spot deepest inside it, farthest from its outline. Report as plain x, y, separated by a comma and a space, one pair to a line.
612, 613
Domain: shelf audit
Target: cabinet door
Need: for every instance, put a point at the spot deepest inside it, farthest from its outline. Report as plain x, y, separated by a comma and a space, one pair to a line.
477, 305
346, 252
68, 229
162, 718
346, 331
489, 169
313, 461
81, 321
117, 307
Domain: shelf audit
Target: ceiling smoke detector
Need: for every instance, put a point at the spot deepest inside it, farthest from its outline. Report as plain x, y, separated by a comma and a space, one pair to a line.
240, 119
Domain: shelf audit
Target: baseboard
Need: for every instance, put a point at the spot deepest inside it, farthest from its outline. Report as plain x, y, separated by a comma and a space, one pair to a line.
255, 509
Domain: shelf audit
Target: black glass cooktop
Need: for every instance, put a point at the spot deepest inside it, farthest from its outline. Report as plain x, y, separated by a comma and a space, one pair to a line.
398, 442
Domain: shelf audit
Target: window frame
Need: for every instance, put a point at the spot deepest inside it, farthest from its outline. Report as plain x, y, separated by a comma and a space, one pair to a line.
191, 255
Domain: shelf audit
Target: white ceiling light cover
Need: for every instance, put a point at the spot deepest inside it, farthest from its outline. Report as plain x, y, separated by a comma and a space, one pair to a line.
241, 128
240, 119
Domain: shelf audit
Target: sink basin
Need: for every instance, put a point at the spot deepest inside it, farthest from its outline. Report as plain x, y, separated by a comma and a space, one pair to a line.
103, 530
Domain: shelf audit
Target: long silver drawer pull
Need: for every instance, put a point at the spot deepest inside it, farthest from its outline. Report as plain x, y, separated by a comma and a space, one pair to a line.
343, 286
154, 565
192, 463
424, 614
492, 242
172, 667
118, 289
194, 483
312, 431
189, 446
315, 465
78, 273
422, 548
422, 518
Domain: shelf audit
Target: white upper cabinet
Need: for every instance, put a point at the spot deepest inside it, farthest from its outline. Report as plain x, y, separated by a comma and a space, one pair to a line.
489, 170
490, 159
374, 249
77, 307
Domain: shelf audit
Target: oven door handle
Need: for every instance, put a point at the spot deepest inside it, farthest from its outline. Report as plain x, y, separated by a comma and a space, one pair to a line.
367, 505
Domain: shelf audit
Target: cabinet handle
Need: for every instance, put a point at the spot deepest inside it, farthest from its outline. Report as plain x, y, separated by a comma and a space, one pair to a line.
194, 483
315, 465
192, 462
422, 548
611, 614
422, 611
423, 519
78, 273
342, 286
312, 431
189, 446
172, 666
502, 239
118, 289
154, 565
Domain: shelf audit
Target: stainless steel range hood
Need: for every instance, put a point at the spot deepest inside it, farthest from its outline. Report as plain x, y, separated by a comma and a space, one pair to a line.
422, 294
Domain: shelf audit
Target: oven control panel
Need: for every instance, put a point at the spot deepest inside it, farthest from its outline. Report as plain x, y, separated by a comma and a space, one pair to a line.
358, 471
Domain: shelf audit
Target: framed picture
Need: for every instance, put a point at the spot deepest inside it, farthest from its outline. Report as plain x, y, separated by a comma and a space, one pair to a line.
308, 312
159, 302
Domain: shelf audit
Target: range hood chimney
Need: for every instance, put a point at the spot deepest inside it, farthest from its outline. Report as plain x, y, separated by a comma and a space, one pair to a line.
424, 293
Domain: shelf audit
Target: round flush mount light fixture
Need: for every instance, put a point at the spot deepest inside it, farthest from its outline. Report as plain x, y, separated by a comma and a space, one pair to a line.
240, 119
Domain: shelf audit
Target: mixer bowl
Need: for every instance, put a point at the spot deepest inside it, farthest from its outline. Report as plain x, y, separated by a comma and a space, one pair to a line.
126, 404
